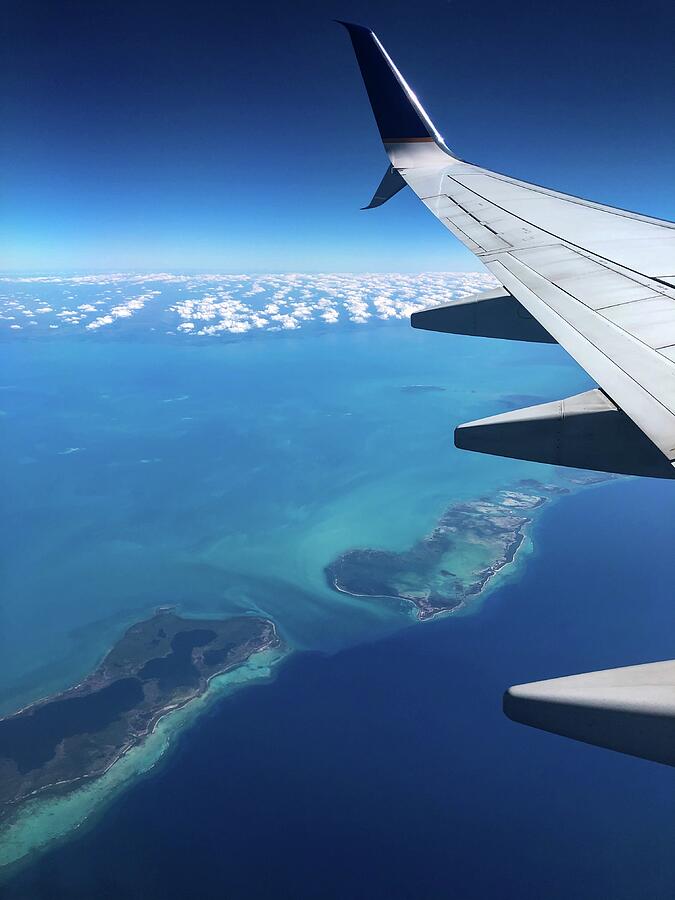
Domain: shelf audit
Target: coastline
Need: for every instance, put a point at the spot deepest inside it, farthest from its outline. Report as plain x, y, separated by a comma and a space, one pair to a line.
498, 525
55, 788
429, 695
46, 818
566, 484
507, 563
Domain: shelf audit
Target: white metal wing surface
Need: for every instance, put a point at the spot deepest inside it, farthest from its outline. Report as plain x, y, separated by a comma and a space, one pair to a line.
601, 281
594, 277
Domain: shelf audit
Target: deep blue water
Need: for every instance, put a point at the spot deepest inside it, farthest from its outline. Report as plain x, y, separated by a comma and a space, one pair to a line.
389, 771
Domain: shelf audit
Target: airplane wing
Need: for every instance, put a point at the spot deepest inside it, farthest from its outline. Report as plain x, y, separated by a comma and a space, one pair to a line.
600, 282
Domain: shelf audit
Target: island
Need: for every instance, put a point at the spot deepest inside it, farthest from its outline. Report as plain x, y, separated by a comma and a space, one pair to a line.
472, 541
422, 389
158, 665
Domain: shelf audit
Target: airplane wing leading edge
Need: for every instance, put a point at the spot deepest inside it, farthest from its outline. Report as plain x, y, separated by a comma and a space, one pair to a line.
597, 280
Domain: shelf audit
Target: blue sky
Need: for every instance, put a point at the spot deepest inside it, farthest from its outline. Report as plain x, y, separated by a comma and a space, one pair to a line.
238, 137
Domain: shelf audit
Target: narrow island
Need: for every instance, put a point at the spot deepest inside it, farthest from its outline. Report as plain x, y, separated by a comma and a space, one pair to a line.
422, 389
472, 541
158, 665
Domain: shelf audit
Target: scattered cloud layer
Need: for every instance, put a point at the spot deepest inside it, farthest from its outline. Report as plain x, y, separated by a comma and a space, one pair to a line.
207, 305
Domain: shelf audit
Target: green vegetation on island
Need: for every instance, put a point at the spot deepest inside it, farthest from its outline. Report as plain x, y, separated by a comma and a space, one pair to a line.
158, 665
472, 541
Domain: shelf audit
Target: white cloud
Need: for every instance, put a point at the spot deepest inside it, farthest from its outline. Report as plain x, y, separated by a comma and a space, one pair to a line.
100, 322
211, 305
285, 321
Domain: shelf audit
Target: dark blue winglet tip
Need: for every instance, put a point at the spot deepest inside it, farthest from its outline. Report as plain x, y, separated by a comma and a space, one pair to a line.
398, 118
352, 26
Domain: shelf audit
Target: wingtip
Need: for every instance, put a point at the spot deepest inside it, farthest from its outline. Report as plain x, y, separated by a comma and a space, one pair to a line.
509, 699
353, 26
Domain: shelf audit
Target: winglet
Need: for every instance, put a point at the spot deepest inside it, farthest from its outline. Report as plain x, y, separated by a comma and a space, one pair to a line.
398, 113
392, 182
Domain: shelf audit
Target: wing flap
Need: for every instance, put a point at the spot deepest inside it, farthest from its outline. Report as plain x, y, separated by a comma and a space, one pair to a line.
588, 280
642, 383
650, 319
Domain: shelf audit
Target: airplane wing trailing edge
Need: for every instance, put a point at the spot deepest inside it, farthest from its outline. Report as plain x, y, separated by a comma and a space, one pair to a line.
600, 282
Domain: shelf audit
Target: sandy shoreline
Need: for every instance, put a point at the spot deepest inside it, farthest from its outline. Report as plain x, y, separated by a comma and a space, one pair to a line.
45, 818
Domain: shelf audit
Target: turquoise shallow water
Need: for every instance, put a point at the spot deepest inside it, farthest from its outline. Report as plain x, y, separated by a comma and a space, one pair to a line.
387, 770
221, 476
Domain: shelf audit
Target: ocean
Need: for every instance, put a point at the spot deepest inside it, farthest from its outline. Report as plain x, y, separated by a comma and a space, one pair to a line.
221, 476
